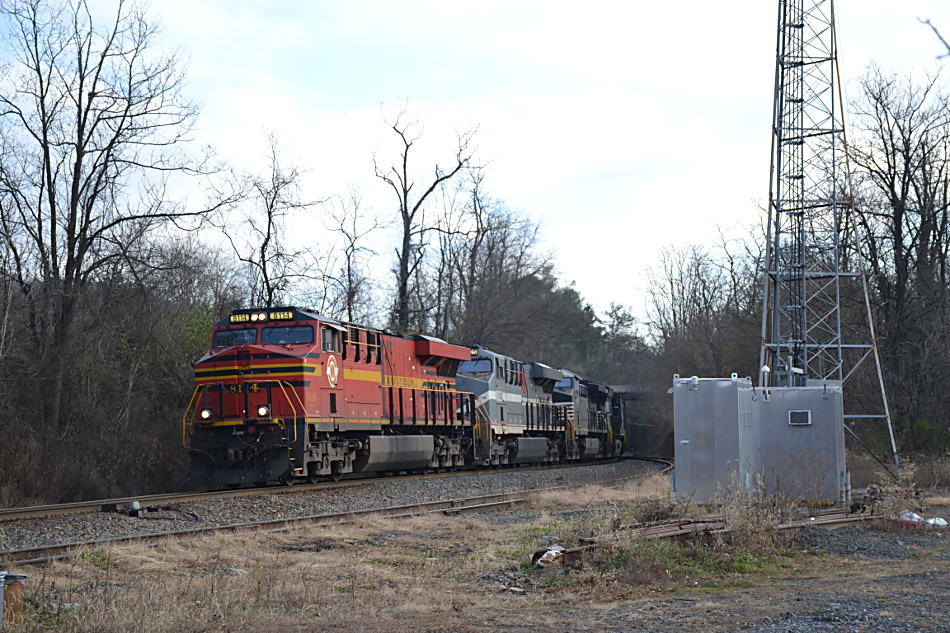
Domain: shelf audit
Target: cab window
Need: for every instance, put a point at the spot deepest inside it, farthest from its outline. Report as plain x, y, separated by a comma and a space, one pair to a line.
331, 340
287, 335
479, 368
231, 338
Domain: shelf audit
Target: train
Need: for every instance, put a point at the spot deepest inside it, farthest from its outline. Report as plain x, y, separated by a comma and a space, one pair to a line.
285, 394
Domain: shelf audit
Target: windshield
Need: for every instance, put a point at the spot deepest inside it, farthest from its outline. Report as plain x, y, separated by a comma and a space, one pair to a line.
287, 335
480, 368
230, 338
567, 383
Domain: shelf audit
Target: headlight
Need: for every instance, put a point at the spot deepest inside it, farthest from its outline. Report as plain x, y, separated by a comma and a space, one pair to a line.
263, 411
205, 414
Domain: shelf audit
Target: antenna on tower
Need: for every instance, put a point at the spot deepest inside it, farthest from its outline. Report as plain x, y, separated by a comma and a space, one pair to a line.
809, 201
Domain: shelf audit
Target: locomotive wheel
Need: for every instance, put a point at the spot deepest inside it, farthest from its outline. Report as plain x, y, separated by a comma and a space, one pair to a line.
287, 480
312, 476
336, 471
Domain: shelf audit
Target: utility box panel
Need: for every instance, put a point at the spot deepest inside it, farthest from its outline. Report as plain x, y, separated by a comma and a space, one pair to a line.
801, 443
711, 453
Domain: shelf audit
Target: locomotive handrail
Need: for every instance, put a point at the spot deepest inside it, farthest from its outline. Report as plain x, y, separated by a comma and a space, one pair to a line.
566, 415
570, 422
481, 414
187, 424
184, 418
357, 343
281, 383
364, 329
455, 396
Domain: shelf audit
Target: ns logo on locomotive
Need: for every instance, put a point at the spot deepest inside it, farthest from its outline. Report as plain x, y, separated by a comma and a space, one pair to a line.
285, 394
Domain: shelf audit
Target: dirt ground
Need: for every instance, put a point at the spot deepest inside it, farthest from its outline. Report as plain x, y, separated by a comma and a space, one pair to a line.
474, 573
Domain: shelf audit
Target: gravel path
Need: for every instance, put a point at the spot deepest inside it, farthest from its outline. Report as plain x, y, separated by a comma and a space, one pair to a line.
64, 529
856, 541
876, 582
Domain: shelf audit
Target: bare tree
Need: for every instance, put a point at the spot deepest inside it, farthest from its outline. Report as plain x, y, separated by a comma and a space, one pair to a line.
92, 122
350, 290
900, 151
703, 308
901, 154
260, 239
939, 37
412, 203
494, 266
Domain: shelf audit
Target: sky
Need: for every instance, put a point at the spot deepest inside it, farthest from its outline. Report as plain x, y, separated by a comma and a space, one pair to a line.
623, 127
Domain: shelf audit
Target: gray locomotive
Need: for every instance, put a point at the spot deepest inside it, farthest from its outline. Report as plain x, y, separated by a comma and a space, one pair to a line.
532, 413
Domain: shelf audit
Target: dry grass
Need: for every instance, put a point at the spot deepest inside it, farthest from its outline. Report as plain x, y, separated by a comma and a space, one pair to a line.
361, 573
933, 474
428, 573
431, 573
938, 501
926, 472
652, 487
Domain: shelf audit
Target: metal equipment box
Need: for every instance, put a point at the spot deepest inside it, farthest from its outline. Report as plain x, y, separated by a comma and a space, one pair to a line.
801, 454
715, 425
784, 441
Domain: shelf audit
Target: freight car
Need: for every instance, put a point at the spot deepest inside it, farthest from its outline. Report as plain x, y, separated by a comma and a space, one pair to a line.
285, 394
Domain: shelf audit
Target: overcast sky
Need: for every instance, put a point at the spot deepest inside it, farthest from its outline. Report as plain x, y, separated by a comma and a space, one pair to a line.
623, 126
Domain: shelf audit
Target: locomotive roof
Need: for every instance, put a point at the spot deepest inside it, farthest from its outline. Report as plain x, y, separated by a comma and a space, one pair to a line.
540, 371
290, 313
287, 313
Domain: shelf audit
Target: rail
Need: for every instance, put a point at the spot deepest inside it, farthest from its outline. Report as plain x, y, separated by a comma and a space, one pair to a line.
709, 525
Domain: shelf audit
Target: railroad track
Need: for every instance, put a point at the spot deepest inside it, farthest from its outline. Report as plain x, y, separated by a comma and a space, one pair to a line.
450, 506
709, 525
145, 502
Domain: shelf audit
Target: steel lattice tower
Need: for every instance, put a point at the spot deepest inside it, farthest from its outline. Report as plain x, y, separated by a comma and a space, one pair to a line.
801, 325
809, 195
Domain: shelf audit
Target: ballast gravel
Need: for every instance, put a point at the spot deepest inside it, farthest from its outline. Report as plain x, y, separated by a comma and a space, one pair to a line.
17, 535
856, 541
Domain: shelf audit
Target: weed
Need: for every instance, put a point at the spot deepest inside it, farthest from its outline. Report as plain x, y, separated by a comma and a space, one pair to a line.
96, 558
889, 497
752, 515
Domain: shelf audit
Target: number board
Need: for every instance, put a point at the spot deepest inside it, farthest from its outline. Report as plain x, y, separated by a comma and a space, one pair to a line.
286, 315
245, 387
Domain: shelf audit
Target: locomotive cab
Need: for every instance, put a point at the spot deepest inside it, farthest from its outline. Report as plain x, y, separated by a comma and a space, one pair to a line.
514, 412
578, 405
